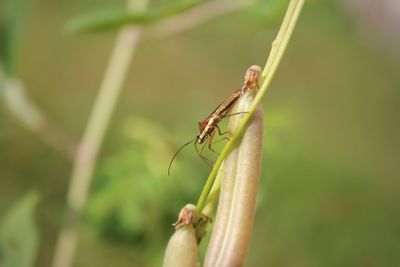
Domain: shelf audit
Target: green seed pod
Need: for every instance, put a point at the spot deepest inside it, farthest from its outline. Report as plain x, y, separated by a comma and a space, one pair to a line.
239, 185
182, 248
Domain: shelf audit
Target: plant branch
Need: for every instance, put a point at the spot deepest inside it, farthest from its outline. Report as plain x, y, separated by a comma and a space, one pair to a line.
194, 17
12, 93
93, 137
278, 48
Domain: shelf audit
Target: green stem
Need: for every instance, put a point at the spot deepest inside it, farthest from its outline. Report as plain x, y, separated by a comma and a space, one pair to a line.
278, 48
212, 200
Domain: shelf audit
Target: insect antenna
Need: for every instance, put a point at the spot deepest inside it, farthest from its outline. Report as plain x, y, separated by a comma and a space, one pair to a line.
176, 154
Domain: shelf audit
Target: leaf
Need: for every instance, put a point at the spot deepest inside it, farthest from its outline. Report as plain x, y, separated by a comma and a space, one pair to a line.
267, 12
19, 234
11, 26
103, 20
113, 18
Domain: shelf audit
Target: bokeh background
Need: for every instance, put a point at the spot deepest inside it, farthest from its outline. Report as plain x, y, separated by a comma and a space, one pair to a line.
329, 193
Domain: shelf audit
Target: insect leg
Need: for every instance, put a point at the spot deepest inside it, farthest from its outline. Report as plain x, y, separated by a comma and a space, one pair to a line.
219, 130
222, 139
233, 114
227, 116
200, 152
210, 142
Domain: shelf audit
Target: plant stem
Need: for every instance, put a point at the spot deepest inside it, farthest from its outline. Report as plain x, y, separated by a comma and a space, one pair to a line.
28, 115
200, 14
92, 139
278, 48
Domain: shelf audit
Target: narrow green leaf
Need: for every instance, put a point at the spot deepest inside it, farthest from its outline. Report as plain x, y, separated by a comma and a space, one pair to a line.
108, 19
19, 234
113, 18
266, 12
11, 26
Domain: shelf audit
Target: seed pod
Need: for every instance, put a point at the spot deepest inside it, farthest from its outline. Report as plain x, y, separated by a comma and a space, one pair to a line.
240, 180
182, 248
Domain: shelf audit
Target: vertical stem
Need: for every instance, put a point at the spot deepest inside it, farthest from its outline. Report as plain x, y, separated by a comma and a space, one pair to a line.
278, 48
92, 139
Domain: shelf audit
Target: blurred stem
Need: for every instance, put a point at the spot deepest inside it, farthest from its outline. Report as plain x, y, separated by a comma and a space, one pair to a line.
12, 93
278, 48
195, 16
93, 137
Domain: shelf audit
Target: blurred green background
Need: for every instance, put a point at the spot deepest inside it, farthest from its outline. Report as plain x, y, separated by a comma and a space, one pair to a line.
329, 190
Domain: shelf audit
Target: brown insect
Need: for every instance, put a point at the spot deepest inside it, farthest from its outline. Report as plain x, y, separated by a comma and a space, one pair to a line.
209, 125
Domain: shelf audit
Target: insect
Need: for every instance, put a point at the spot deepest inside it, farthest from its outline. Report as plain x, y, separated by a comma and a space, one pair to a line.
209, 125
